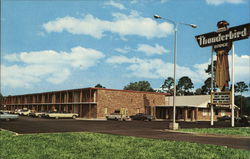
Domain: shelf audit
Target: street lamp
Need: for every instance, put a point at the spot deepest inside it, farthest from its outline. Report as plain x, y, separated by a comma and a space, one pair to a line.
174, 125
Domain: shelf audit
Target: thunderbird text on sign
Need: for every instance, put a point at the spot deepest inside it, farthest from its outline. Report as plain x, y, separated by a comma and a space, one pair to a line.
232, 34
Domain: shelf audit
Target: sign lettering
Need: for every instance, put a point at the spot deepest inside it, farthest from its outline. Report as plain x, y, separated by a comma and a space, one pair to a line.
232, 34
221, 98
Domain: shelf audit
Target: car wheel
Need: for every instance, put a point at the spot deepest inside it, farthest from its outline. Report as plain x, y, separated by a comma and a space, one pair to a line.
74, 116
57, 117
7, 119
39, 116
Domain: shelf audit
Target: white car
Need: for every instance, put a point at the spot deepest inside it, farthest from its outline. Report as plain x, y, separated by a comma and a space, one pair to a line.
117, 116
17, 111
7, 116
37, 114
25, 112
114, 116
61, 115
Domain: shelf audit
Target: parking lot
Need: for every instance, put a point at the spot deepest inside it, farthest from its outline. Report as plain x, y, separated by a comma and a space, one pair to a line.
153, 129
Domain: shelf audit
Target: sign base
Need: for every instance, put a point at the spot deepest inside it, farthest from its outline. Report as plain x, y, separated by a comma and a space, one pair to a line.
173, 126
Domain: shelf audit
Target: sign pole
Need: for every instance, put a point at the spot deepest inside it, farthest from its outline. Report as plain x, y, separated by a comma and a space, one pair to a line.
212, 79
232, 116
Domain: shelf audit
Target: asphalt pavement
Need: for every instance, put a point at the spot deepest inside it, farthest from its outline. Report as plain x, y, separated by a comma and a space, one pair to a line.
146, 129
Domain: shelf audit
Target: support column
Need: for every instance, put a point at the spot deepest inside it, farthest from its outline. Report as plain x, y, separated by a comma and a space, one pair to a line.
196, 114
90, 100
192, 115
89, 114
166, 113
212, 114
212, 85
232, 113
185, 114
81, 114
81, 96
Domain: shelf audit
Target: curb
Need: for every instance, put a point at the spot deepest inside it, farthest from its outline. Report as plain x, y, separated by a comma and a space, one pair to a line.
209, 135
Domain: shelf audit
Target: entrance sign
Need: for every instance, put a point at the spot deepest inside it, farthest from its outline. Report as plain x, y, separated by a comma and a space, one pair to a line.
222, 42
221, 98
232, 34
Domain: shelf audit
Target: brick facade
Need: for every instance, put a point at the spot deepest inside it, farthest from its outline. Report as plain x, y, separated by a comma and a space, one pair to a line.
133, 102
99, 102
87, 102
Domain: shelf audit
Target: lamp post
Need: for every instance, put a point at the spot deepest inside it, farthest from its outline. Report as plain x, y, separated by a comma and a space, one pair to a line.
174, 125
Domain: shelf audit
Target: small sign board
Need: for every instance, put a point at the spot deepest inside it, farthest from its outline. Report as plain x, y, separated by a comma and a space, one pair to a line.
232, 34
221, 98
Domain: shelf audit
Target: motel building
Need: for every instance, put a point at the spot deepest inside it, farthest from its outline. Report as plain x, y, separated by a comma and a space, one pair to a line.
96, 103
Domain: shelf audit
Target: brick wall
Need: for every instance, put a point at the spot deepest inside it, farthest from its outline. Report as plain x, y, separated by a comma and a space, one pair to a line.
134, 102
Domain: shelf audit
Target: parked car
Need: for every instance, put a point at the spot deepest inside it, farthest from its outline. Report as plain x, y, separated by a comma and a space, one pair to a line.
228, 118
6, 111
245, 120
118, 114
25, 112
17, 111
7, 116
224, 118
37, 114
114, 116
141, 116
58, 115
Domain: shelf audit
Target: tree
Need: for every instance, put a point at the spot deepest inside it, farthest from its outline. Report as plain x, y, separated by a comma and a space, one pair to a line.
245, 110
139, 86
198, 91
209, 68
184, 85
99, 86
206, 88
241, 87
168, 85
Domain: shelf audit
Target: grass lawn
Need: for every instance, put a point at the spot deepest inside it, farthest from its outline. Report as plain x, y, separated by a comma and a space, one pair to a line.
244, 131
84, 145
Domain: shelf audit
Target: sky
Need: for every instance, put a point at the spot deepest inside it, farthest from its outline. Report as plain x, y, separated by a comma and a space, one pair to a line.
63, 44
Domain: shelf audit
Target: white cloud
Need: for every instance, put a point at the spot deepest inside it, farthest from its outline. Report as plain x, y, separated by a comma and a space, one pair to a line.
156, 68
51, 66
115, 4
151, 50
123, 50
122, 59
121, 24
218, 2
241, 67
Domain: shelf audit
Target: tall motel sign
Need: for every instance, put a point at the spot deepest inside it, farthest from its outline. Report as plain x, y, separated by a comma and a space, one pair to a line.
222, 42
